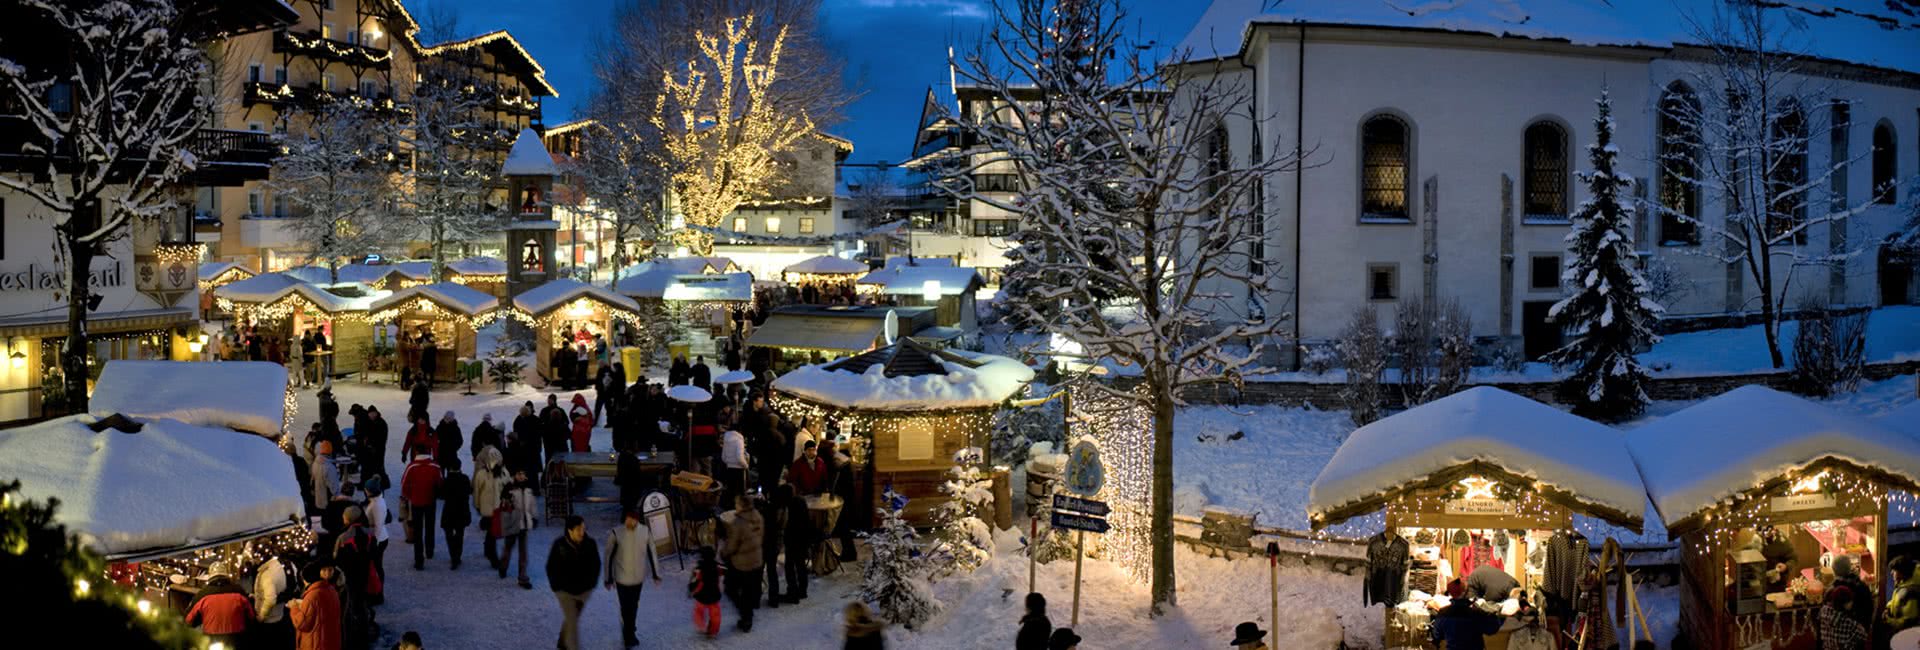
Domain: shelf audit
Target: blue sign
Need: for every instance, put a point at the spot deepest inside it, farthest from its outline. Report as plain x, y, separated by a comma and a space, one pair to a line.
1079, 505
1070, 521
1085, 473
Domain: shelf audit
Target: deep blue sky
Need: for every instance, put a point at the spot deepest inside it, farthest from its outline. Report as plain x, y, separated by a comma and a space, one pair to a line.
894, 50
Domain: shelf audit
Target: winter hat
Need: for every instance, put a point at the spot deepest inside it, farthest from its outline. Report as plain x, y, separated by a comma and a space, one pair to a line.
488, 418
1460, 537
448, 416
1247, 632
220, 569
1063, 639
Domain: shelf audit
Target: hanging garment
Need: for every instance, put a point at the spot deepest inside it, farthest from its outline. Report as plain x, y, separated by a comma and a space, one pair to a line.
1566, 560
1387, 561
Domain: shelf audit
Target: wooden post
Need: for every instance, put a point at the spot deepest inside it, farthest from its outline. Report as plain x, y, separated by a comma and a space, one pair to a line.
1079, 552
1273, 580
1033, 541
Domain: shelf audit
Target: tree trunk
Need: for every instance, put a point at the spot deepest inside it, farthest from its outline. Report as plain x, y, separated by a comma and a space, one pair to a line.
73, 353
440, 252
1769, 312
1162, 509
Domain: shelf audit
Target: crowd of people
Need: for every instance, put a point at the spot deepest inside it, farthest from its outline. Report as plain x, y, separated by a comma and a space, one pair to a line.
306, 356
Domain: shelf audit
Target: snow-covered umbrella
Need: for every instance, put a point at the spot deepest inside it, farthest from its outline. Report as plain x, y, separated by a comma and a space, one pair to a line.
689, 394
734, 377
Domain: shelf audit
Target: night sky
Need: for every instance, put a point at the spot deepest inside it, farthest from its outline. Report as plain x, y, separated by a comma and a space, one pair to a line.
894, 50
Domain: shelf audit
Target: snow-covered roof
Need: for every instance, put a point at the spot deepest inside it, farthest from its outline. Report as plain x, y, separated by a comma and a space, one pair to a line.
259, 288
1844, 30
529, 157
212, 270
1905, 419
827, 265
734, 287
245, 395
478, 265
271, 287
172, 485
970, 380
652, 279
1730, 444
418, 270
453, 296
371, 274
556, 293
912, 280
898, 261
1583, 463
794, 331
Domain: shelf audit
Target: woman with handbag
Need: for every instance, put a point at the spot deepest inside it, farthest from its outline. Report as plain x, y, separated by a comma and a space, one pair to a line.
511, 520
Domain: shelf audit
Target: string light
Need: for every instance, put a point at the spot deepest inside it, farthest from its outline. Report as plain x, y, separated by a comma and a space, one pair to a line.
156, 575
284, 307
1122, 428
439, 312
230, 275
178, 253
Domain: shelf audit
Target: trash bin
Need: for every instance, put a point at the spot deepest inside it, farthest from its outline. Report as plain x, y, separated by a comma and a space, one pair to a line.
680, 350
630, 358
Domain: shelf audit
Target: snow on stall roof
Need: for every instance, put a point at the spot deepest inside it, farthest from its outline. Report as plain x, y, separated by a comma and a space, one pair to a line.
991, 381
245, 395
360, 273
451, 295
213, 270
419, 270
478, 265
912, 280
529, 157
1843, 35
736, 287
172, 485
1579, 456
899, 261
1698, 457
259, 288
827, 264
269, 287
554, 293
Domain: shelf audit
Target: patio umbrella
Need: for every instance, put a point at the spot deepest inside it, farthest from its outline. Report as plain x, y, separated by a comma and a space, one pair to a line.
734, 377
690, 395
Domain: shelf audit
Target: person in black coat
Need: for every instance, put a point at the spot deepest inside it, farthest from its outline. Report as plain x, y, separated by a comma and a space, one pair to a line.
631, 479
429, 358
555, 429
573, 570
417, 401
702, 376
1035, 627
581, 367
372, 439
773, 515
523, 455
679, 372
564, 359
606, 390
449, 439
455, 515
486, 434
797, 538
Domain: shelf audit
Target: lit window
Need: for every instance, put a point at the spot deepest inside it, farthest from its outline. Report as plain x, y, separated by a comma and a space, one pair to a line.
1679, 144
326, 82
326, 29
1383, 169
739, 224
806, 225
773, 224
1383, 282
1546, 172
1885, 163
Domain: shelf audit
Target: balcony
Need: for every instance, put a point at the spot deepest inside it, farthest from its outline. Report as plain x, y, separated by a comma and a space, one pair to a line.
259, 231
313, 45
229, 158
310, 97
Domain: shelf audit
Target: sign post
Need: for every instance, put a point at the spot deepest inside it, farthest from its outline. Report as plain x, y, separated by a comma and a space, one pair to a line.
1081, 516
1079, 553
1273, 581
1033, 541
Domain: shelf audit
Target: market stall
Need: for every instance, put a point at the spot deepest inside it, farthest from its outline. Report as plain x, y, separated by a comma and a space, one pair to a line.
570, 312
1764, 491
487, 274
700, 301
950, 289
824, 277
282, 307
903, 411
214, 275
438, 320
1480, 478
249, 396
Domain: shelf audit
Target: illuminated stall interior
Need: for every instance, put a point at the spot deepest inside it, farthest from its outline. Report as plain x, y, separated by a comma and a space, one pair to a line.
700, 299
214, 275
902, 412
453, 313
1528, 468
571, 312
825, 274
283, 307
1764, 490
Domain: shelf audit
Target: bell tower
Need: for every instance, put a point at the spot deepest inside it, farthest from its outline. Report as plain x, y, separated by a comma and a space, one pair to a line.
529, 250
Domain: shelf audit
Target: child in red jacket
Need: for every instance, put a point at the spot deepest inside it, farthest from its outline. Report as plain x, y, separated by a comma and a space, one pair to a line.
582, 422
705, 589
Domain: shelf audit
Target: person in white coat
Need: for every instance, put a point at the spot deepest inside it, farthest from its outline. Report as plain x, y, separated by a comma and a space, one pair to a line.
489, 484
272, 580
377, 519
628, 544
733, 461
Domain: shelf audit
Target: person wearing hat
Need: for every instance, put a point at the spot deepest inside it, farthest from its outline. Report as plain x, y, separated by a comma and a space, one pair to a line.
631, 558
1249, 636
1838, 629
1063, 639
316, 613
448, 440
221, 610
1461, 624
1035, 627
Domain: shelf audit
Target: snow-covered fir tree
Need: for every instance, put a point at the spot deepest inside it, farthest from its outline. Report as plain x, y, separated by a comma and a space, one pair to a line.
964, 542
1608, 314
894, 578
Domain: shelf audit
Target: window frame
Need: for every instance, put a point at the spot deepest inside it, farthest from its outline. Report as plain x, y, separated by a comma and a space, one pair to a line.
1558, 264
1885, 164
771, 224
1407, 155
740, 224
1393, 285
255, 72
1791, 172
806, 225
1529, 175
1689, 233
256, 203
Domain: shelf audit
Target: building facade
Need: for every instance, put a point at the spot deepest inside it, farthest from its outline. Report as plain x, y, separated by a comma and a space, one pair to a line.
1439, 162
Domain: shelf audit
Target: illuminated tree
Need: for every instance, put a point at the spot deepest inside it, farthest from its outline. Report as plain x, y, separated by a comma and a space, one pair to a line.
720, 131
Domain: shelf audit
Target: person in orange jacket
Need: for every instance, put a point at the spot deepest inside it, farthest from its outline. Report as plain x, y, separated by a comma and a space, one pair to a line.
316, 613
222, 609
582, 415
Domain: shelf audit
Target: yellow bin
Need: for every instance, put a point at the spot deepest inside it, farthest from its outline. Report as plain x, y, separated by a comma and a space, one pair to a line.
679, 350
630, 358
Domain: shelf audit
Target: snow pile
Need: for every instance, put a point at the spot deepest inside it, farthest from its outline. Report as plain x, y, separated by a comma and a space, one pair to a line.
529, 157
734, 287
245, 395
555, 293
1893, 334
1847, 35
452, 295
827, 265
171, 485
1694, 459
1579, 456
993, 381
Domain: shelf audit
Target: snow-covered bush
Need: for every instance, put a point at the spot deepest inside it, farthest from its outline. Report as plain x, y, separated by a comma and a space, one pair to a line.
963, 539
1363, 350
1829, 351
1016, 430
1435, 347
1453, 342
894, 578
1318, 358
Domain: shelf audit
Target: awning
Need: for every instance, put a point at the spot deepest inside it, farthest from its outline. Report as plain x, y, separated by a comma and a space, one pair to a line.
126, 321
818, 333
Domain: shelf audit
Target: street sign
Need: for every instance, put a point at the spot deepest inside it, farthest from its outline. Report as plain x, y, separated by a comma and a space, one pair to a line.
1071, 521
1080, 506
1085, 474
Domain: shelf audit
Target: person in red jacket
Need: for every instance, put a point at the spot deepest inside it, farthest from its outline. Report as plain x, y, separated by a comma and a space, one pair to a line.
808, 475
420, 436
582, 422
222, 609
316, 613
419, 485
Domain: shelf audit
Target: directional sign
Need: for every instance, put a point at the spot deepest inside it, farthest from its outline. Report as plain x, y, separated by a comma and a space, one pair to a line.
1079, 505
1071, 521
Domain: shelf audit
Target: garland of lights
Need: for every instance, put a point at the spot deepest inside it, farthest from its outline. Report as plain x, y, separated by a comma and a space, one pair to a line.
425, 304
825, 278
782, 240
558, 314
284, 307
1723, 523
349, 51
1122, 429
483, 278
224, 278
153, 575
178, 253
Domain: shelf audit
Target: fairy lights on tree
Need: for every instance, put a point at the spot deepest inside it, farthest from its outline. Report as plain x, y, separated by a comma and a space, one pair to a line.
720, 130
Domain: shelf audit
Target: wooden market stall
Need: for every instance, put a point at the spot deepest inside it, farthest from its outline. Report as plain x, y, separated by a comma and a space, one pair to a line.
949, 289
487, 274
571, 312
283, 307
907, 419
1482, 477
797, 335
443, 317
700, 300
214, 275
1763, 490
823, 276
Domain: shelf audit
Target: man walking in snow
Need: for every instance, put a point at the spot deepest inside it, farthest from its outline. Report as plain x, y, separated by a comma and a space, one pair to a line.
419, 487
744, 559
573, 566
455, 490
627, 546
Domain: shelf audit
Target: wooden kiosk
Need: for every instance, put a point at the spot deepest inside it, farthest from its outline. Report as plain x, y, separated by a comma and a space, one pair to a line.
1758, 543
286, 307
451, 312
571, 312
902, 434
1529, 467
487, 274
